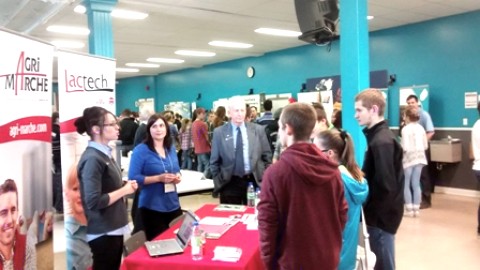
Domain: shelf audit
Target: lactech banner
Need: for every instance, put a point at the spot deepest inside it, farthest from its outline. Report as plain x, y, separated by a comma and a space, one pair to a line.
25, 139
83, 81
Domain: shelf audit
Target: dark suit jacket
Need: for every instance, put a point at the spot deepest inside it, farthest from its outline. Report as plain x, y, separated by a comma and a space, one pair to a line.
222, 158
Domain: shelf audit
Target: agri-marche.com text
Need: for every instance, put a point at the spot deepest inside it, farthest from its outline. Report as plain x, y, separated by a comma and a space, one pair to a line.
27, 129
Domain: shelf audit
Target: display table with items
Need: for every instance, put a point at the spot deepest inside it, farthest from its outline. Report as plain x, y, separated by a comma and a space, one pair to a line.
233, 244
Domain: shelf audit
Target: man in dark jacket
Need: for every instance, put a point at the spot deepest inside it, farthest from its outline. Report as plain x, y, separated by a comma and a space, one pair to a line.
128, 127
384, 172
302, 209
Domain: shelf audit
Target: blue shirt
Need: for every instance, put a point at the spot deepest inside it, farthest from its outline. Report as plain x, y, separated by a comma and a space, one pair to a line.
145, 162
425, 120
243, 130
78, 252
123, 230
266, 118
355, 194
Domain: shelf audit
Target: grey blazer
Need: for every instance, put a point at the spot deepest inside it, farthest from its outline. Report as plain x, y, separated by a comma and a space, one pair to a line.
99, 175
222, 158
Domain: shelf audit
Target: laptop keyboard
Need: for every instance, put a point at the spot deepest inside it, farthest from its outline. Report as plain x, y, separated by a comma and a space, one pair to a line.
169, 245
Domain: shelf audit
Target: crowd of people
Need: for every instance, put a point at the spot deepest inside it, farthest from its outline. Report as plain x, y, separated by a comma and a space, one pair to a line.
304, 165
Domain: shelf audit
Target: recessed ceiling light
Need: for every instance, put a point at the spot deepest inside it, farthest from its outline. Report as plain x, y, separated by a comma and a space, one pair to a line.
128, 14
142, 65
229, 44
195, 53
80, 9
370, 17
127, 70
165, 60
69, 30
278, 32
68, 44
117, 13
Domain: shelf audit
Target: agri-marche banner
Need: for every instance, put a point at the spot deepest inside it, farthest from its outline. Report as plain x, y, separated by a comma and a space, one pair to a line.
25, 128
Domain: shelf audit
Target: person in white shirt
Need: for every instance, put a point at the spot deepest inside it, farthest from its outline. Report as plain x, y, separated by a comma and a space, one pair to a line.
476, 155
414, 143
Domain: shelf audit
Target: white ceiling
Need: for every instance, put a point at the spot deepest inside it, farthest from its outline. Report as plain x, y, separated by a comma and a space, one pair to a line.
191, 24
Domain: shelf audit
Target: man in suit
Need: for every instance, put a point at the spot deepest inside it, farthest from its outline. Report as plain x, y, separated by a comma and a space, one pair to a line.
233, 162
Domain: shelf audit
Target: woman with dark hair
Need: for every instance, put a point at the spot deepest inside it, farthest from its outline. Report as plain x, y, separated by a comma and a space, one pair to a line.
337, 119
220, 117
338, 146
154, 165
101, 188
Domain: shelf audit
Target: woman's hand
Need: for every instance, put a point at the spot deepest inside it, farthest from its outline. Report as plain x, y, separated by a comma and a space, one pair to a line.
178, 178
167, 178
130, 187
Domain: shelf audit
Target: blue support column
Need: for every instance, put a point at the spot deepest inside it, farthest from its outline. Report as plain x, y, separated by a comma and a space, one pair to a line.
354, 63
100, 40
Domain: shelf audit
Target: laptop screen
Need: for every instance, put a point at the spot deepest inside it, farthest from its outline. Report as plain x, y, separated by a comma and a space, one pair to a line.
185, 231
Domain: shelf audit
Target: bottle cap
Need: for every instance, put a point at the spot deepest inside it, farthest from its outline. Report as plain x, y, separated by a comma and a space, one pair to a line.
195, 223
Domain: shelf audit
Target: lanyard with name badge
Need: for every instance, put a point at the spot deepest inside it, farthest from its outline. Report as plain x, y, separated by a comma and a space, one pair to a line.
169, 187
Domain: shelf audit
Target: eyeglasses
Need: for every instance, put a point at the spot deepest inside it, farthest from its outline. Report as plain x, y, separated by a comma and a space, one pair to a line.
111, 124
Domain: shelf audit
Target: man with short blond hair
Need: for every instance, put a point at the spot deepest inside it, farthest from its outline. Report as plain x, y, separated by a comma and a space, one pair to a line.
383, 170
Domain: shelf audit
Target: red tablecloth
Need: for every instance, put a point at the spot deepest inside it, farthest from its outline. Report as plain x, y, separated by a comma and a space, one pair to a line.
237, 236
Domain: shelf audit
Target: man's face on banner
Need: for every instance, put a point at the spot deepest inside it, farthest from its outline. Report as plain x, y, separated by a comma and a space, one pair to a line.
8, 218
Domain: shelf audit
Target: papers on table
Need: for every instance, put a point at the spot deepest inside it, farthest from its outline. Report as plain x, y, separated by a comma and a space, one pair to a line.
214, 220
227, 254
230, 207
251, 221
215, 227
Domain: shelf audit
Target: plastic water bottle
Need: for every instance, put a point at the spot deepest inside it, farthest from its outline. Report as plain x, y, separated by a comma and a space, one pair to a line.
196, 242
257, 200
250, 195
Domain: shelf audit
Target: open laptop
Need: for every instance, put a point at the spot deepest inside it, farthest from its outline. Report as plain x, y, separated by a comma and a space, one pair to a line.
174, 245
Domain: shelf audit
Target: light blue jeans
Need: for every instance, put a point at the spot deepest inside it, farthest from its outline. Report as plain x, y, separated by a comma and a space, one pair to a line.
186, 159
204, 163
382, 244
412, 191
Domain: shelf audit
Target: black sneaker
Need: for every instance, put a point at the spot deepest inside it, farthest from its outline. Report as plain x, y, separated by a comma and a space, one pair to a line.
425, 205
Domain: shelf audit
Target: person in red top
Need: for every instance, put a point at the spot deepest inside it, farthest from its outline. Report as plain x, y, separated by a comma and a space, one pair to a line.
302, 209
201, 142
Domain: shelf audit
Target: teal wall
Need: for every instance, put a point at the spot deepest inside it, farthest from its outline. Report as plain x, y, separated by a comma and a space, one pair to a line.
132, 89
443, 53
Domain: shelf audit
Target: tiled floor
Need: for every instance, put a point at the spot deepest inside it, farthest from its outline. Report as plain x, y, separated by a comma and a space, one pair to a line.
444, 237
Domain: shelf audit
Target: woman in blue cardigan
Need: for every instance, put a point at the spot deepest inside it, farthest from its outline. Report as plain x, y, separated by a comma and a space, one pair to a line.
154, 164
338, 146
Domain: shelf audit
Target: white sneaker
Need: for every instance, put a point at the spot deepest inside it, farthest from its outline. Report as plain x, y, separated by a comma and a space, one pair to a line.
416, 213
408, 213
